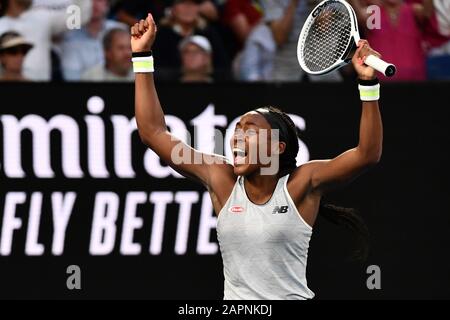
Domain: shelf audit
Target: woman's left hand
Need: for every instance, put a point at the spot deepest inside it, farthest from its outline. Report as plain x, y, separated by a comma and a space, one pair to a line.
364, 71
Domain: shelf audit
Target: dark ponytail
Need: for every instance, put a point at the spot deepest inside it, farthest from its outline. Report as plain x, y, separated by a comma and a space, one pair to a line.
348, 218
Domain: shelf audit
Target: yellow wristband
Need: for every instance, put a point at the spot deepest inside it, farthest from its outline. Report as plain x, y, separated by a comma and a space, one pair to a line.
143, 64
369, 93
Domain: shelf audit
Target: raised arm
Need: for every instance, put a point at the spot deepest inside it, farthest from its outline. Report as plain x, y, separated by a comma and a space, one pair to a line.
328, 174
152, 127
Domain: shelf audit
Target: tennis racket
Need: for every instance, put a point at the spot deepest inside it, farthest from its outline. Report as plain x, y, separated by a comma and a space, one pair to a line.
328, 40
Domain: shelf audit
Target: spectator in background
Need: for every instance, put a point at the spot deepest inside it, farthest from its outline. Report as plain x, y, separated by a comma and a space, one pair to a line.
256, 60
196, 57
443, 16
82, 49
437, 38
38, 26
400, 38
184, 21
242, 16
13, 49
52, 4
433, 36
209, 10
131, 11
56, 74
286, 19
117, 66
442, 26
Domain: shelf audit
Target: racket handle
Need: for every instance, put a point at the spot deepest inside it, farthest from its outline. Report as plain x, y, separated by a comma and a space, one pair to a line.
388, 69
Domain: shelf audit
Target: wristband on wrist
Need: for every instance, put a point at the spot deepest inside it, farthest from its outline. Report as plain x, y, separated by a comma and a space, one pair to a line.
143, 62
369, 90
142, 54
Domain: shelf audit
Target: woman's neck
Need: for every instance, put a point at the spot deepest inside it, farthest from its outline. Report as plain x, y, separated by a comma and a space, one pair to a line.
260, 188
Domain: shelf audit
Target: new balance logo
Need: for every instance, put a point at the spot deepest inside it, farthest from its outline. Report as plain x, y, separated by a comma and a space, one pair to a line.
282, 209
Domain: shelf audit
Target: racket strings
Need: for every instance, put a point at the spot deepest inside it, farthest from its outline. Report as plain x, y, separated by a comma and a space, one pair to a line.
328, 37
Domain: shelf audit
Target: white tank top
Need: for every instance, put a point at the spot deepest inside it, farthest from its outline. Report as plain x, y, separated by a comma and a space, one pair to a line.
264, 247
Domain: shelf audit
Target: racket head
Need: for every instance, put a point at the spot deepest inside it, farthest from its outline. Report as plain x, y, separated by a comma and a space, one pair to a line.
327, 37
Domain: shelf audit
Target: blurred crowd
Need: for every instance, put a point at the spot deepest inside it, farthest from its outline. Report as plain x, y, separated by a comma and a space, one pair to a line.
208, 40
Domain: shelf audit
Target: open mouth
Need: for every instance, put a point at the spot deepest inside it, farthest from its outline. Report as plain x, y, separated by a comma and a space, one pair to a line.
239, 156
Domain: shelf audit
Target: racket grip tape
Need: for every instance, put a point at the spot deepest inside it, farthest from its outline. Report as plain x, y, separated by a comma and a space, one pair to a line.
388, 69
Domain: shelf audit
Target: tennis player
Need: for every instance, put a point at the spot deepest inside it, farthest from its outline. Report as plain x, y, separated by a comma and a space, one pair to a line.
265, 220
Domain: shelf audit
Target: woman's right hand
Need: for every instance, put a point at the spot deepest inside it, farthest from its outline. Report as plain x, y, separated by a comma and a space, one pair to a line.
143, 34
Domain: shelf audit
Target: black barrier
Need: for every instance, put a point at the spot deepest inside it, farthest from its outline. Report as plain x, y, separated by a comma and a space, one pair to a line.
82, 199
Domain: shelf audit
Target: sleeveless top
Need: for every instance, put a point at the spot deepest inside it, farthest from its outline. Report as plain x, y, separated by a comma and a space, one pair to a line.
264, 247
